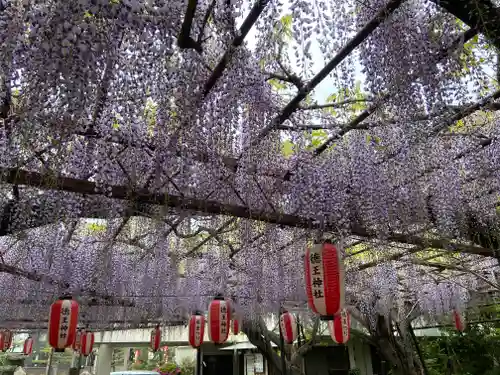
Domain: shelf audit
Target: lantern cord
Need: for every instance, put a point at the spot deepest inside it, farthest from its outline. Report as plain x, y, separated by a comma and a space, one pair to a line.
282, 348
198, 361
79, 363
299, 339
48, 369
319, 233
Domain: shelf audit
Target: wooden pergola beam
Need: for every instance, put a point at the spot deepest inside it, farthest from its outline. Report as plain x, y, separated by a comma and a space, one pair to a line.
144, 196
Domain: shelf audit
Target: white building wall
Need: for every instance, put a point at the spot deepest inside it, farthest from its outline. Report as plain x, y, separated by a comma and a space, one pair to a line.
360, 356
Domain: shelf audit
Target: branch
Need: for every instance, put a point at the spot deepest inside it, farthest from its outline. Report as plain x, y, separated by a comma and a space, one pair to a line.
476, 13
257, 334
252, 17
308, 346
213, 234
444, 266
291, 77
387, 259
364, 33
288, 79
205, 21
184, 40
102, 92
333, 105
72, 185
7, 101
35, 276
454, 110
356, 314
356, 123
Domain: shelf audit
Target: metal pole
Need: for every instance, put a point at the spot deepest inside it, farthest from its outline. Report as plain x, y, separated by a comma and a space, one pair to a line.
48, 369
282, 348
198, 361
419, 352
79, 363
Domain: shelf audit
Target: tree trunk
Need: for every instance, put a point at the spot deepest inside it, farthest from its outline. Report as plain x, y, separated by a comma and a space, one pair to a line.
398, 350
261, 337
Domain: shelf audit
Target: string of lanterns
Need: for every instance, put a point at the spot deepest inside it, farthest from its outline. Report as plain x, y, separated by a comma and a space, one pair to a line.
324, 279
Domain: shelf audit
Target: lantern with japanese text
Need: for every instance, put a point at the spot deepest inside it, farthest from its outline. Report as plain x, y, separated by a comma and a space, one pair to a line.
63, 319
459, 320
155, 341
340, 327
196, 329
324, 277
235, 326
6, 340
78, 340
87, 343
288, 327
28, 346
219, 319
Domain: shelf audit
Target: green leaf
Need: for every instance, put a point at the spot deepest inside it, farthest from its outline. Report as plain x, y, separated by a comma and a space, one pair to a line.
283, 29
286, 23
115, 124
287, 148
459, 125
277, 85
316, 138
95, 227
332, 98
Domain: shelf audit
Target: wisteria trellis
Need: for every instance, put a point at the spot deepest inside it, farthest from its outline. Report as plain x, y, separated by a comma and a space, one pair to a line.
142, 168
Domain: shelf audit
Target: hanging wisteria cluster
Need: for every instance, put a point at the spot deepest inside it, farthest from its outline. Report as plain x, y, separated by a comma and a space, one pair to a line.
153, 155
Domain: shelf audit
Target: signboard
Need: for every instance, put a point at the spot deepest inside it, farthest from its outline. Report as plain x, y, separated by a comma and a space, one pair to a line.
250, 364
259, 363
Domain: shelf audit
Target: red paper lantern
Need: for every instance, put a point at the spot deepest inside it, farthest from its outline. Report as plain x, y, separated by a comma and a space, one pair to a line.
137, 354
324, 276
340, 327
87, 343
235, 325
2, 341
6, 340
459, 321
219, 319
288, 327
155, 340
63, 319
28, 346
78, 340
196, 329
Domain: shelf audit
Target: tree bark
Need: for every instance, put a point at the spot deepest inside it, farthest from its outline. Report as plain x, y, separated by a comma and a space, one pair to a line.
398, 350
261, 337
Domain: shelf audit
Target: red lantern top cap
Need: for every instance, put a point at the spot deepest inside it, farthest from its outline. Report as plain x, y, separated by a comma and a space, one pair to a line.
219, 297
197, 312
65, 297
